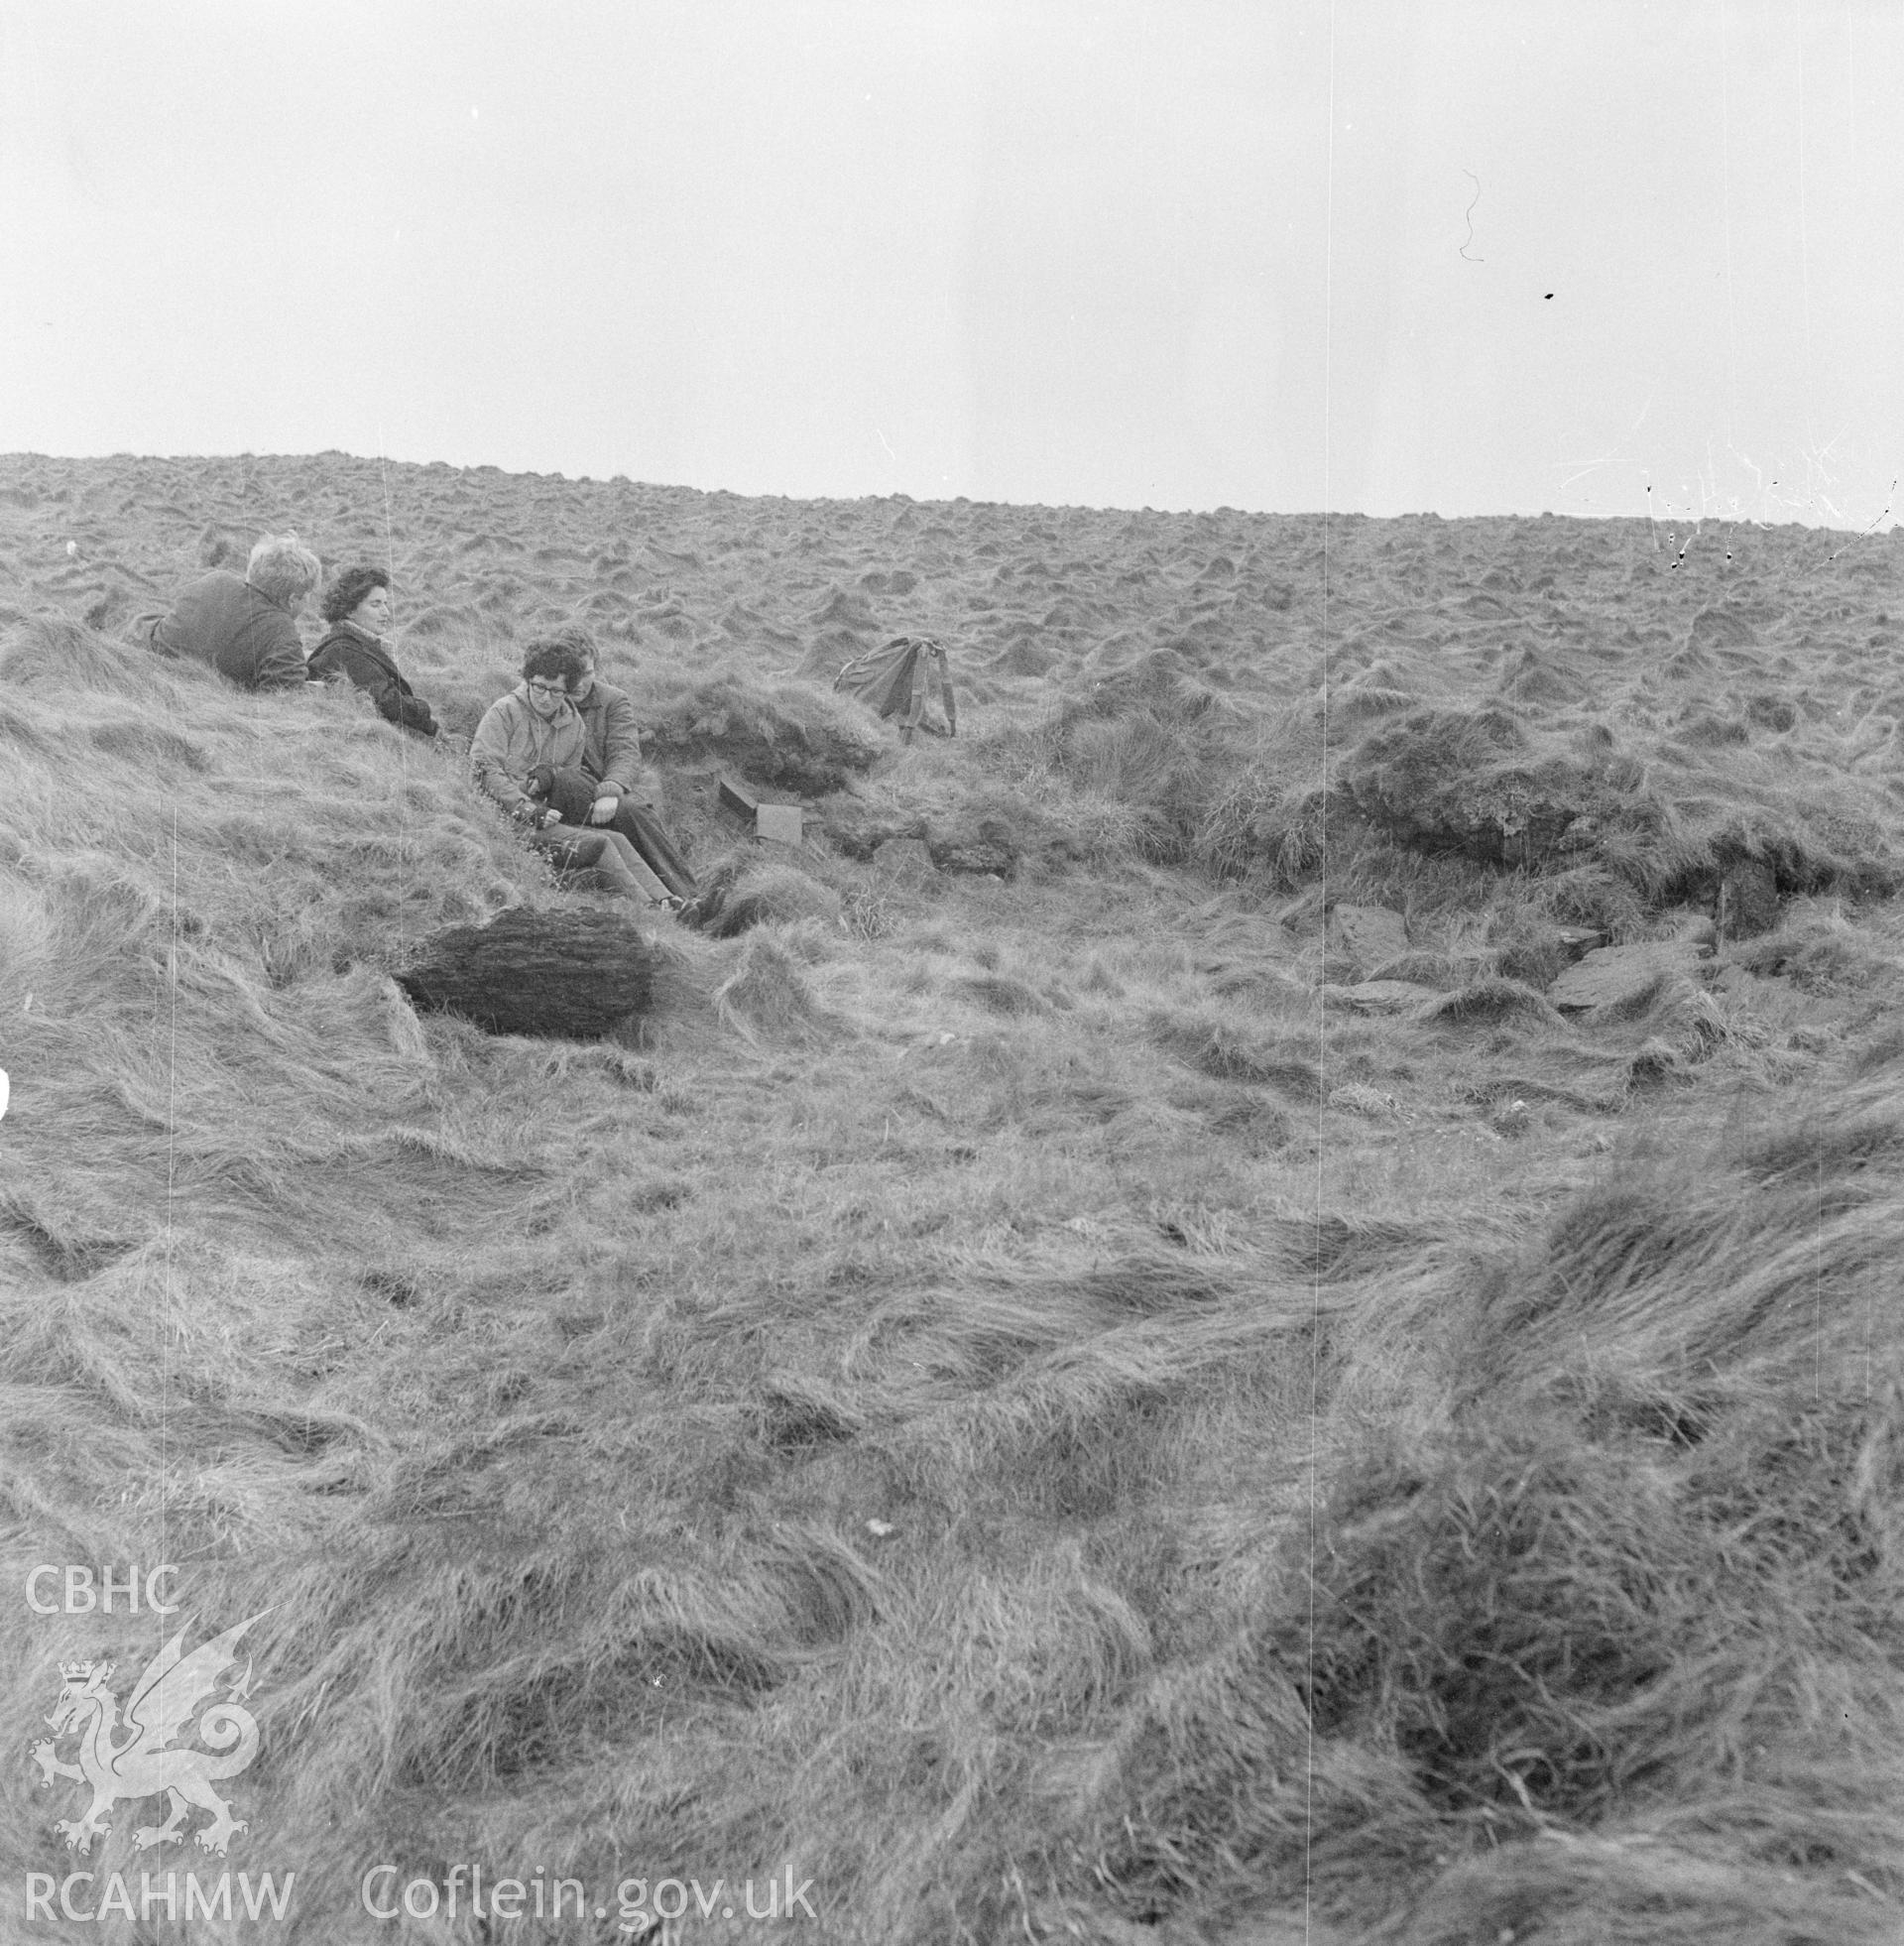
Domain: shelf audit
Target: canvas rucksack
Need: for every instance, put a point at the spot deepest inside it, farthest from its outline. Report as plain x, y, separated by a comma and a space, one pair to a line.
900, 680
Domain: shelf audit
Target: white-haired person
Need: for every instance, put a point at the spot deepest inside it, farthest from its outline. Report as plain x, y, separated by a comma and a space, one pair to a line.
247, 628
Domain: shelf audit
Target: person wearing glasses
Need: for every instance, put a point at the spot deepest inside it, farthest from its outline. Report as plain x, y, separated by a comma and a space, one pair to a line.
524, 741
357, 607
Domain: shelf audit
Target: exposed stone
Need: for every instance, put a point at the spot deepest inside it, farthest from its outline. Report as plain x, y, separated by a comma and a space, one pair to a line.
1749, 900
1616, 976
1380, 996
858, 829
1537, 952
1423, 968
1366, 936
905, 862
1685, 924
987, 847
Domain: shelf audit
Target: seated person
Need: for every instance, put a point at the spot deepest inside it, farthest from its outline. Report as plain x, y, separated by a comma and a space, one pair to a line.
357, 607
525, 742
626, 794
247, 630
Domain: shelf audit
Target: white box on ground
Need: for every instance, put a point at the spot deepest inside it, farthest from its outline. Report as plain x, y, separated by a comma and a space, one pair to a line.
783, 823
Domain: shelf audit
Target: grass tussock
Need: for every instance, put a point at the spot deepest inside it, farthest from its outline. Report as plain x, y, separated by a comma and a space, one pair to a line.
1551, 1656
1227, 1049
768, 994
747, 889
1492, 999
787, 736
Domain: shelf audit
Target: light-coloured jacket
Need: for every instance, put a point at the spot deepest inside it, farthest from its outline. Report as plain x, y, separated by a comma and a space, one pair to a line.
512, 740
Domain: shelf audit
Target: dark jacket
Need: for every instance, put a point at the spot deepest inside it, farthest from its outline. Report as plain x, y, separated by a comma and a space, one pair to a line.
221, 619
348, 651
615, 745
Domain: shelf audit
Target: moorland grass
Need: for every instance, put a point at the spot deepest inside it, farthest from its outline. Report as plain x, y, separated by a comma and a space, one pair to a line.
1020, 1409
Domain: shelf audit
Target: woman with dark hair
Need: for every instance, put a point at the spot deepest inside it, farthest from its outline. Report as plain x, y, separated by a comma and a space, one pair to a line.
357, 607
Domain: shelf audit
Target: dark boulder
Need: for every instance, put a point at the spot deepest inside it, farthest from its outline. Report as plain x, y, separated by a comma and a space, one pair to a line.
974, 844
1748, 899
859, 828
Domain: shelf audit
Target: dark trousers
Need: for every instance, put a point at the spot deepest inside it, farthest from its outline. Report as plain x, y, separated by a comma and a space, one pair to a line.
573, 794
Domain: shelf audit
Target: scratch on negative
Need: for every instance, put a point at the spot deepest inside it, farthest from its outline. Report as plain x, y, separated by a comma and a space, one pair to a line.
1476, 181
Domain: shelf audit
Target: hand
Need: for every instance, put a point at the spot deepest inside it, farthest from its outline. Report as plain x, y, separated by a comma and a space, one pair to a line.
545, 819
603, 809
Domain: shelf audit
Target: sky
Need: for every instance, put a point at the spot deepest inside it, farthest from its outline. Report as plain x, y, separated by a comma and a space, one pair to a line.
1381, 256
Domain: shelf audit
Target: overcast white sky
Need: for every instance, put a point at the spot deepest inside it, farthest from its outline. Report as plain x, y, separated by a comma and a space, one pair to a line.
1257, 253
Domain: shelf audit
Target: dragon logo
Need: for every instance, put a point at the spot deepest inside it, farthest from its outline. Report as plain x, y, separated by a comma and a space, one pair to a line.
139, 1764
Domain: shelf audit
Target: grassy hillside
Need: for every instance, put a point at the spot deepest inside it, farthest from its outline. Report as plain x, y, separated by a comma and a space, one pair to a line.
1015, 1396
